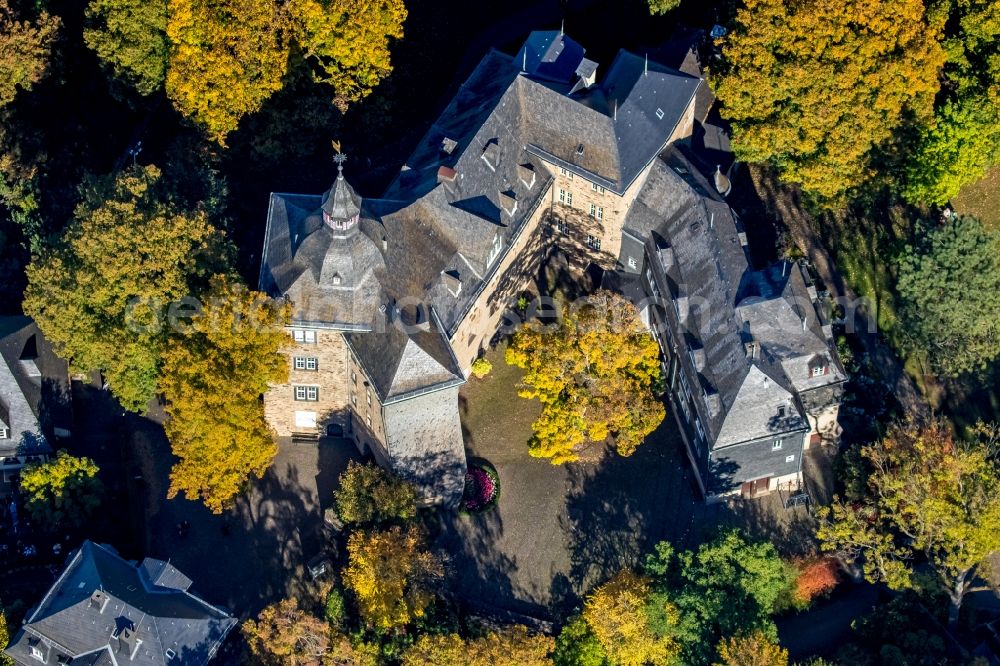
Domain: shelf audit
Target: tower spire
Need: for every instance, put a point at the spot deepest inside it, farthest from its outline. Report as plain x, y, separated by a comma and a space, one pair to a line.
645, 69
562, 28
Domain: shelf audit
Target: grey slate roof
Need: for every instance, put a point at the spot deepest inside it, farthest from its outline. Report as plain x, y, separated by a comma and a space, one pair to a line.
99, 594
341, 202
551, 55
34, 389
677, 208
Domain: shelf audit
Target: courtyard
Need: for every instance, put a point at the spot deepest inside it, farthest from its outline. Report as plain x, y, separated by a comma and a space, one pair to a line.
559, 530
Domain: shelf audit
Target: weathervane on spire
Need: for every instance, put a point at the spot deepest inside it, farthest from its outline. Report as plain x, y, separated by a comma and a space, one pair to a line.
339, 158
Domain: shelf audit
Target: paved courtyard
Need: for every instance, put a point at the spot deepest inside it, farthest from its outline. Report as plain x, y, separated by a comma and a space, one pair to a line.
255, 553
558, 530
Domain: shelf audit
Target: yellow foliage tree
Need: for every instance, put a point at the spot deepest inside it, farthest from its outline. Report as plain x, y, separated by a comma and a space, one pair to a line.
24, 51
213, 377
511, 645
619, 613
812, 86
391, 575
349, 40
100, 294
755, 649
226, 59
595, 373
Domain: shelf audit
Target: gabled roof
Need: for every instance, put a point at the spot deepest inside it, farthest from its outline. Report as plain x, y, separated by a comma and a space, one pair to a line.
99, 595
760, 408
406, 357
34, 389
551, 55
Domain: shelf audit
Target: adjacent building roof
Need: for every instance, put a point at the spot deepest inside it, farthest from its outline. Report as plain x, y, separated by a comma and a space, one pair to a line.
745, 338
103, 609
34, 390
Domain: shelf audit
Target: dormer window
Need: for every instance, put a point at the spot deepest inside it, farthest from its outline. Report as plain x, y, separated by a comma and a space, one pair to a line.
819, 371
491, 154
818, 366
494, 250
3, 433
336, 278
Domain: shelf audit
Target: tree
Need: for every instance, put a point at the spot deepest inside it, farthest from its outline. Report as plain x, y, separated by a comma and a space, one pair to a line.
622, 614
728, 586
663, 6
285, 634
958, 148
213, 377
949, 282
4, 640
814, 86
349, 41
226, 59
130, 38
595, 373
369, 494
576, 645
753, 649
510, 645
62, 492
392, 576
99, 294
928, 495
817, 576
24, 51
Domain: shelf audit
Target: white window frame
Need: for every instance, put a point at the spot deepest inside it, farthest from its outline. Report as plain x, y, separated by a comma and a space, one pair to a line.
306, 393
304, 336
36, 653
632, 263
790, 458
777, 444
561, 226
3, 433
600, 212
305, 363
566, 173
594, 243
597, 188
495, 250
819, 371
593, 210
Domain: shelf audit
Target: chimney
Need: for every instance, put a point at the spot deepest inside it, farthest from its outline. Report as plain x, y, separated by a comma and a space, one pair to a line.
99, 600
128, 642
698, 356
448, 146
491, 154
713, 400
681, 305
666, 257
446, 175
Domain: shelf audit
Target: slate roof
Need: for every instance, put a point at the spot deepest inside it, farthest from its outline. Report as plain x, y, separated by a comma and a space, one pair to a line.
341, 202
99, 594
737, 396
34, 389
551, 55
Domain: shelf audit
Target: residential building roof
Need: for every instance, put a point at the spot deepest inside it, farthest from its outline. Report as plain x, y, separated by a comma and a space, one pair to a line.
103, 609
34, 389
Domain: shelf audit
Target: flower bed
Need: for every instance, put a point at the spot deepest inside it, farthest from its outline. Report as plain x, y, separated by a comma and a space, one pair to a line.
482, 489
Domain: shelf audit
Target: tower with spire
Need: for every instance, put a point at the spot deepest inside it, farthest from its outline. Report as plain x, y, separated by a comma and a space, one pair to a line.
341, 204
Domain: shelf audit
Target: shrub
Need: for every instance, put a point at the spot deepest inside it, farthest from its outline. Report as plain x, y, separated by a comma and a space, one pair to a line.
481, 367
482, 488
335, 609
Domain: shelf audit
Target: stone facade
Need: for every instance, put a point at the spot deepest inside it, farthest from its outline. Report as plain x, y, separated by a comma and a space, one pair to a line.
329, 355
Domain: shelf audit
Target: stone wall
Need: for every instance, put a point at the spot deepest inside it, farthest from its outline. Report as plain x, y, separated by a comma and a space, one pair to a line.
367, 425
330, 377
512, 275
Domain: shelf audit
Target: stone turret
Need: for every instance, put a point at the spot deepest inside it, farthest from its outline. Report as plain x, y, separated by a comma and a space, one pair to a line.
341, 204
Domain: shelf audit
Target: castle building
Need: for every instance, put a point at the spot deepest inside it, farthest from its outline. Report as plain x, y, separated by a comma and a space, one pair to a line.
394, 298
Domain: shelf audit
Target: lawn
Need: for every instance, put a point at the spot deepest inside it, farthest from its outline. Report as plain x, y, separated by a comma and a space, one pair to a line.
981, 199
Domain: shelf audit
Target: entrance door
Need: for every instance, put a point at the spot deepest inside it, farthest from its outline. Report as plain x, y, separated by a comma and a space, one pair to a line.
760, 486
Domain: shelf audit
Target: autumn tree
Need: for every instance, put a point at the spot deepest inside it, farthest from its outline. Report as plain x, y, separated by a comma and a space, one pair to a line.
928, 496
727, 586
62, 492
213, 376
226, 59
25, 47
813, 86
130, 38
392, 575
949, 282
4, 639
285, 634
510, 645
100, 294
663, 6
370, 494
595, 372
630, 622
348, 40
816, 577
753, 649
